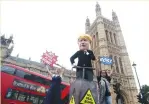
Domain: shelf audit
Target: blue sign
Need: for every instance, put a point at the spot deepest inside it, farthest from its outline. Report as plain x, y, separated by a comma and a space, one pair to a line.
106, 60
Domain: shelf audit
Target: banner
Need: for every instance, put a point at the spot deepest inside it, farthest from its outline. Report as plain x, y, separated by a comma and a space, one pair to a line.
49, 58
106, 60
88, 98
83, 92
29, 86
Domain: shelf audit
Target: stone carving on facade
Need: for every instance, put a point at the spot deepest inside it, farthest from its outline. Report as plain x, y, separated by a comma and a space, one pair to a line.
103, 46
102, 40
124, 54
6, 42
6, 46
3, 40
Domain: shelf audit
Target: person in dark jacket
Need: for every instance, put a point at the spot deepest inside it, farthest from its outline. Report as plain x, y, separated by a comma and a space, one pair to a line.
85, 56
53, 95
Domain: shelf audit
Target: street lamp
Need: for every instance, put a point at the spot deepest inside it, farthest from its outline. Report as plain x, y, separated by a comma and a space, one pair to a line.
140, 99
134, 65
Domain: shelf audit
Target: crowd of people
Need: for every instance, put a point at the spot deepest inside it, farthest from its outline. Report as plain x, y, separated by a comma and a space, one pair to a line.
103, 81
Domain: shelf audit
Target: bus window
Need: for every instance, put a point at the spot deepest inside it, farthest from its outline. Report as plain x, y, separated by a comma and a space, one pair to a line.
22, 74
12, 94
41, 99
34, 99
40, 80
24, 97
62, 86
27, 97
8, 69
32, 77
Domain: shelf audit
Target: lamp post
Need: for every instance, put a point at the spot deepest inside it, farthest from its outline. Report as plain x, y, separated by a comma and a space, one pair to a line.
134, 65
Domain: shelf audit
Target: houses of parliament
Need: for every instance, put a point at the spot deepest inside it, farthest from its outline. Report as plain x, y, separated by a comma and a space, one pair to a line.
107, 41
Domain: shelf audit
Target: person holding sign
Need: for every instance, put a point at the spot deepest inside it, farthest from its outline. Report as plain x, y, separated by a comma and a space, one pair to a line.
104, 82
53, 95
84, 56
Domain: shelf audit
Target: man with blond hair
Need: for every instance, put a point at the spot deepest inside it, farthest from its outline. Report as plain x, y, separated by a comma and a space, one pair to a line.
85, 56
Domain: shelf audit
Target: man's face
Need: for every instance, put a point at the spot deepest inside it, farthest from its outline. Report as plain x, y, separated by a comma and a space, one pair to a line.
83, 44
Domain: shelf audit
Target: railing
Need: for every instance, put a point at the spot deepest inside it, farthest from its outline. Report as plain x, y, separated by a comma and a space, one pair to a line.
83, 69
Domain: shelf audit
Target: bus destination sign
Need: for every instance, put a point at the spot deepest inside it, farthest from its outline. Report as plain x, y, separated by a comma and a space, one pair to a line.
29, 86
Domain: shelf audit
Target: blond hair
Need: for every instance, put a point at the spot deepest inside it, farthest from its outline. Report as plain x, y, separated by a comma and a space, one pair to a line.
85, 36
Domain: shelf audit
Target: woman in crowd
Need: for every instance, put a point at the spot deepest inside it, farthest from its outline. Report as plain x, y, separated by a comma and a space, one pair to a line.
104, 87
53, 96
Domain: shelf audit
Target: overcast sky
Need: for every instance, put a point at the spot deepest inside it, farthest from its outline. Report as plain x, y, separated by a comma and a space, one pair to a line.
54, 26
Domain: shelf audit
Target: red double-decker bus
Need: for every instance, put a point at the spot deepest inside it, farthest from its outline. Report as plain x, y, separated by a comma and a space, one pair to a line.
21, 86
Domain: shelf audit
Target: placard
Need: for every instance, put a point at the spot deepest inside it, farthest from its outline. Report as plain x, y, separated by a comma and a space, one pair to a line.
88, 98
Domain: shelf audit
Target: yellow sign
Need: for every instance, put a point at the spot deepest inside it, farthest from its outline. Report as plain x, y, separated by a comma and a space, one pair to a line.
72, 101
88, 98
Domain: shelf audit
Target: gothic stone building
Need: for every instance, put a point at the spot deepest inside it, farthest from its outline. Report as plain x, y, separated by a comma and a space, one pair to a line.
108, 41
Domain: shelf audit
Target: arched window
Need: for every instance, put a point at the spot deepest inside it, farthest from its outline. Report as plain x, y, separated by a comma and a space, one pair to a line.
121, 65
116, 64
111, 37
115, 39
106, 31
112, 62
93, 42
97, 38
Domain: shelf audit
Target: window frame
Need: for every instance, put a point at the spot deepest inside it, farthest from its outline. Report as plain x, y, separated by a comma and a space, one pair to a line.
6, 71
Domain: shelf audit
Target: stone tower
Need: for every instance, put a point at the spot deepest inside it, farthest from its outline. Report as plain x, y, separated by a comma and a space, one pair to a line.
108, 41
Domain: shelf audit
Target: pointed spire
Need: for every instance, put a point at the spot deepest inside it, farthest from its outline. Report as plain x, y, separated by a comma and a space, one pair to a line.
115, 20
97, 5
17, 55
114, 16
87, 25
11, 36
98, 9
87, 21
29, 58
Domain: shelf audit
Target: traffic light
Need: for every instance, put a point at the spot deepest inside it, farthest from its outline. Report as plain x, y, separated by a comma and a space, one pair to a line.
139, 98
